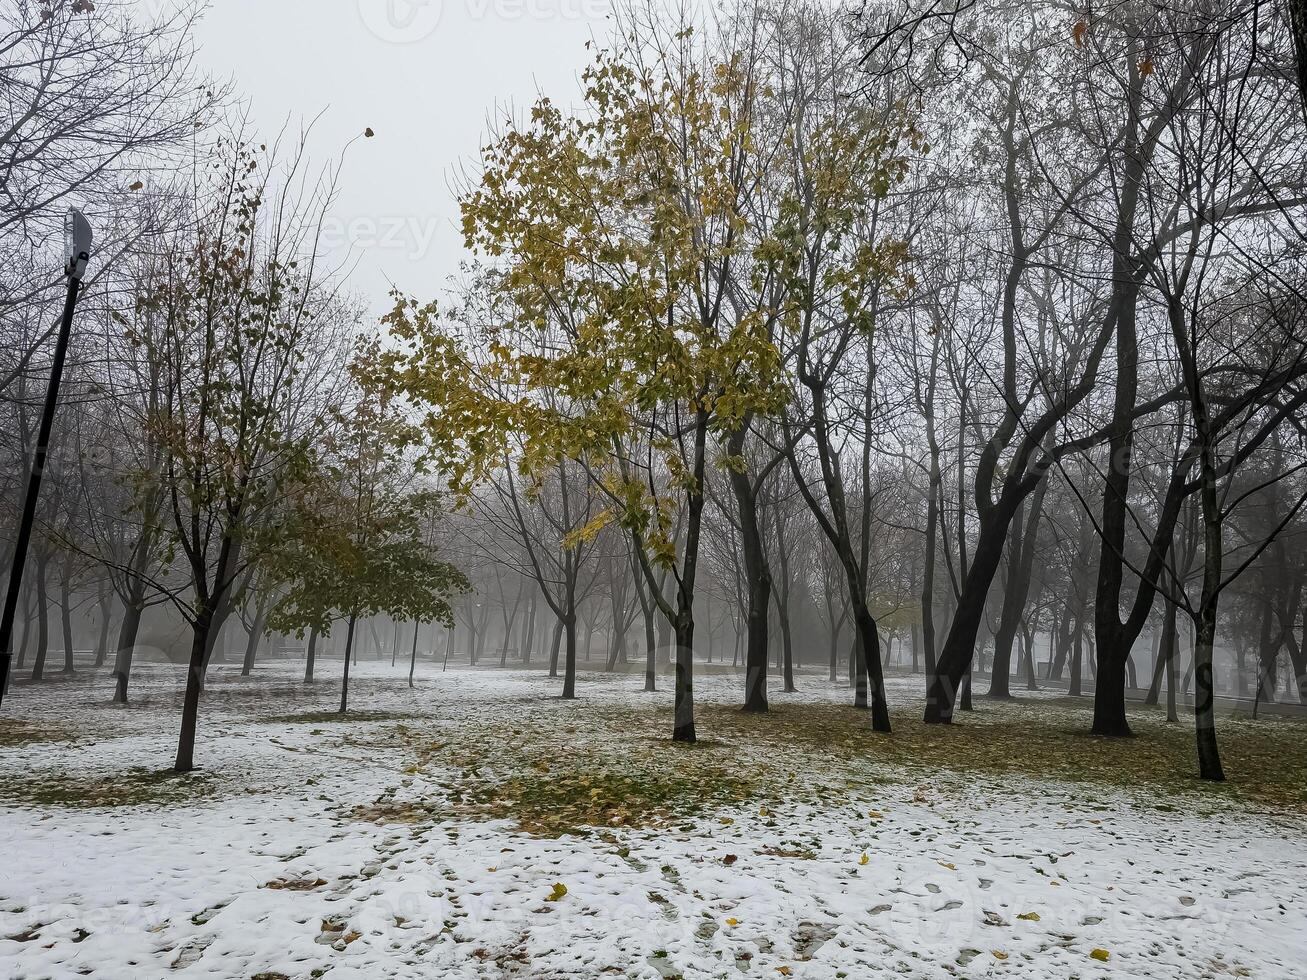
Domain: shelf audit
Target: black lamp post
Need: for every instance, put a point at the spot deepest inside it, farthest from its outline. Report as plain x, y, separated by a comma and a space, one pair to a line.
77, 233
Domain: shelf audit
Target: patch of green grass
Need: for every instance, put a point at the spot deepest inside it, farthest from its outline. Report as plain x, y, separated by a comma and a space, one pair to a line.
553, 803
15, 733
603, 768
135, 787
1045, 739
335, 717
558, 766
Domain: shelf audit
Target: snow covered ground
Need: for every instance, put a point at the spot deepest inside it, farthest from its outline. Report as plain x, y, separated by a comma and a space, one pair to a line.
384, 846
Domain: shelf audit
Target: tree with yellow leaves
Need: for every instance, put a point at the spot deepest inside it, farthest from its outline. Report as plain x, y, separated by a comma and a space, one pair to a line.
614, 240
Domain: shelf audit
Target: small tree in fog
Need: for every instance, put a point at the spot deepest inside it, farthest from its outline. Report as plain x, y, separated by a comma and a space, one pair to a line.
357, 545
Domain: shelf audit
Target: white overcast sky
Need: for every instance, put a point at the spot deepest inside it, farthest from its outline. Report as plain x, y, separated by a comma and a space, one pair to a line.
426, 75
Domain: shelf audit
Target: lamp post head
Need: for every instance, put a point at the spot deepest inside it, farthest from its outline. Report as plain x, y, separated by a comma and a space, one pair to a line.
77, 243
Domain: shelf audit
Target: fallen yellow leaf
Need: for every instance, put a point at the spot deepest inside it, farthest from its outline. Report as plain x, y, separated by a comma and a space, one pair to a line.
1029, 916
559, 891
1101, 955
865, 858
946, 864
732, 922
999, 954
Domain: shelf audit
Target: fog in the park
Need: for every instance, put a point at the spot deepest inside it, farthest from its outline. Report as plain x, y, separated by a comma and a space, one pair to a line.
583, 488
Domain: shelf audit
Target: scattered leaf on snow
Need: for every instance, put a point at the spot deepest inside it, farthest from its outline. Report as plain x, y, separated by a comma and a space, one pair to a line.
295, 884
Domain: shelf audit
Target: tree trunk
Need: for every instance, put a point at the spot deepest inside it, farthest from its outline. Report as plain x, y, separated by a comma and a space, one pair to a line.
959, 645
617, 632
1029, 645
869, 644
1268, 654
1014, 600
1165, 654
648, 610
42, 622
66, 621
858, 667
683, 725
1298, 658
122, 666
413, 655
569, 661
252, 641
1172, 713
928, 576
650, 653
554, 647
758, 580
310, 655
787, 648
1209, 756
529, 631
835, 628
201, 649
344, 679
29, 614
1058, 662
102, 641
1077, 660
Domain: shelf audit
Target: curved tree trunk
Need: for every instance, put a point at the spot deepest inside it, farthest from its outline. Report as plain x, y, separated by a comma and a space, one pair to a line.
959, 646
122, 666
252, 641
869, 644
554, 647
195, 668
